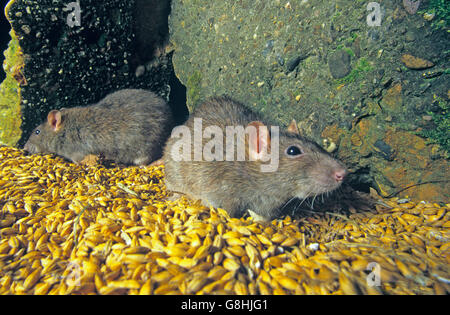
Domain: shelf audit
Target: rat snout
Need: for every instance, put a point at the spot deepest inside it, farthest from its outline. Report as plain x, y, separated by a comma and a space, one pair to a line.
340, 174
328, 175
26, 147
29, 148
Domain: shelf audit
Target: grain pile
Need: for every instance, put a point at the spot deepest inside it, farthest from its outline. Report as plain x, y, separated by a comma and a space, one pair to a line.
68, 229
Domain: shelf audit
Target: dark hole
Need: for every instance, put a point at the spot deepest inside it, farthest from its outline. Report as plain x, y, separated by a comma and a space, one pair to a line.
90, 36
177, 100
151, 27
361, 180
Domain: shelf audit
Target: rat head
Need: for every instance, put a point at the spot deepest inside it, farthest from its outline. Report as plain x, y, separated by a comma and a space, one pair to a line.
314, 170
43, 137
305, 169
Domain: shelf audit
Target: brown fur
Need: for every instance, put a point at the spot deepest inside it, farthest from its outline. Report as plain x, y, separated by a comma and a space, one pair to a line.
240, 185
128, 126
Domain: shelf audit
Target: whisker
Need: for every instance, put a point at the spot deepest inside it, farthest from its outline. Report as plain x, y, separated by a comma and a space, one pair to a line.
304, 199
285, 205
312, 204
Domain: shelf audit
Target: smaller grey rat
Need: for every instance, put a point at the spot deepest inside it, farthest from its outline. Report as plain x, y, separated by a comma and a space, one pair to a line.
304, 169
128, 126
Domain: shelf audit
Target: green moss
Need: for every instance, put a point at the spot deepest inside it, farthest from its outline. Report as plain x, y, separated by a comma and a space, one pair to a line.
193, 87
441, 11
358, 72
10, 114
350, 52
441, 133
347, 41
353, 37
336, 16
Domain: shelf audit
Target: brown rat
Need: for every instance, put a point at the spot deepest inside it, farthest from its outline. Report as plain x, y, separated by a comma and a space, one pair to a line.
129, 126
303, 168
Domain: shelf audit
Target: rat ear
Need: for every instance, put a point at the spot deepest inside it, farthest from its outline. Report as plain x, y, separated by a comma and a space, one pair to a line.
54, 119
259, 142
293, 127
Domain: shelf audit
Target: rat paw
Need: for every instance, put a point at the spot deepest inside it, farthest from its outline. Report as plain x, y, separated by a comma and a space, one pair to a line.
90, 160
174, 196
258, 218
157, 163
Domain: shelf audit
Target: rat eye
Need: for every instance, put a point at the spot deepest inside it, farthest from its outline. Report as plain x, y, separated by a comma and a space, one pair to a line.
37, 131
293, 150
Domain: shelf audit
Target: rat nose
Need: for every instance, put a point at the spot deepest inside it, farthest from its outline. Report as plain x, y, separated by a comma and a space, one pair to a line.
339, 175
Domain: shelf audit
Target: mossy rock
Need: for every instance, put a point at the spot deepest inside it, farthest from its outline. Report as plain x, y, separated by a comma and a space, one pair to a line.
10, 114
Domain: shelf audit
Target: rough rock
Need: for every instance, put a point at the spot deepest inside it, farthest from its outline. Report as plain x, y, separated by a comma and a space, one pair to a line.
339, 63
397, 159
411, 6
416, 63
392, 101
